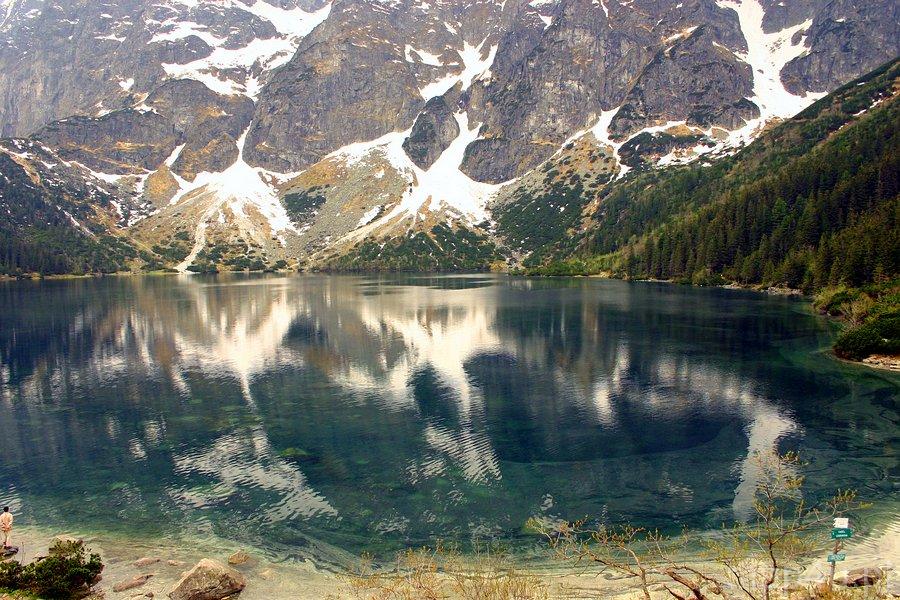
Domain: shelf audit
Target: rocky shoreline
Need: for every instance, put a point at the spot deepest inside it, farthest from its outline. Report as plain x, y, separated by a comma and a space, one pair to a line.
880, 361
208, 569
217, 569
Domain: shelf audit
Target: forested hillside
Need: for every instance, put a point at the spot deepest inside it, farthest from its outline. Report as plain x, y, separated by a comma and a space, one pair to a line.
56, 226
812, 203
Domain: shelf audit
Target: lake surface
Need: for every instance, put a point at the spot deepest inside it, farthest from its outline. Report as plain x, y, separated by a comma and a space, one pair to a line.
335, 415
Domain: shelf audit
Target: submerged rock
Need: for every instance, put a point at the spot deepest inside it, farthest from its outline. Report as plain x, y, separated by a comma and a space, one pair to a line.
134, 582
239, 558
208, 580
146, 561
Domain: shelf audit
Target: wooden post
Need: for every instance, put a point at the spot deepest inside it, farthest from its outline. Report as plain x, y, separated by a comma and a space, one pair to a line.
840, 530
837, 547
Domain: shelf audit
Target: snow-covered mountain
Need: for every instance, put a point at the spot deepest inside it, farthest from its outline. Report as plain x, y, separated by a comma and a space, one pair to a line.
236, 133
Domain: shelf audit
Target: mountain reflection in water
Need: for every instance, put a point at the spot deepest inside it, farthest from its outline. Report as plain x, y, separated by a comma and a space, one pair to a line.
339, 413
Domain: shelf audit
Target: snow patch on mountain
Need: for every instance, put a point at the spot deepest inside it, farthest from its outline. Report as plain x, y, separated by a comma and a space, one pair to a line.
412, 54
443, 186
601, 133
475, 66
294, 22
6, 9
220, 71
268, 54
182, 29
239, 188
767, 55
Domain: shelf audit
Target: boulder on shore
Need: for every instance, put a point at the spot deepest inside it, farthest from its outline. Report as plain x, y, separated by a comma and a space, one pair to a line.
862, 577
208, 580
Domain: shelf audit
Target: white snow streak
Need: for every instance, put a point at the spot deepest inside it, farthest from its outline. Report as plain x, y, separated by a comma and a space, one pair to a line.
423, 56
475, 66
238, 187
441, 186
292, 25
601, 133
767, 55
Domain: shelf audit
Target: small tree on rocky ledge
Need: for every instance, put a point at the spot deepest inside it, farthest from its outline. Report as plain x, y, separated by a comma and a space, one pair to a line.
782, 530
68, 572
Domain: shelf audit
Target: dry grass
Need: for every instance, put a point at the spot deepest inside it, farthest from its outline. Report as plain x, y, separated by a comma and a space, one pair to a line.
439, 574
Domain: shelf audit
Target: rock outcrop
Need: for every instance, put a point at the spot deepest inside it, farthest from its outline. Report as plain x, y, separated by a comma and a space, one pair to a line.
130, 584
846, 38
695, 79
208, 580
431, 134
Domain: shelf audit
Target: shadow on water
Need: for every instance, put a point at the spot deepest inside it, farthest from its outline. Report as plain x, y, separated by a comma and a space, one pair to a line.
327, 415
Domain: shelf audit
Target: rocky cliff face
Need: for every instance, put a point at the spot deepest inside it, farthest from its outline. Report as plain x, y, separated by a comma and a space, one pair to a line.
845, 38
295, 130
84, 57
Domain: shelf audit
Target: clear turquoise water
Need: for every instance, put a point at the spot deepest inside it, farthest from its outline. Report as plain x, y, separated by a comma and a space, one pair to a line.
333, 416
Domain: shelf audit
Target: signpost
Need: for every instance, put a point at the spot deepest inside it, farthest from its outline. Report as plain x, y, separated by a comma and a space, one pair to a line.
840, 531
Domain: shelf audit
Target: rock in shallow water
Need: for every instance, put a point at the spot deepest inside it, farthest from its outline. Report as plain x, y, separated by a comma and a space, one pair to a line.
146, 561
64, 539
130, 584
239, 558
208, 580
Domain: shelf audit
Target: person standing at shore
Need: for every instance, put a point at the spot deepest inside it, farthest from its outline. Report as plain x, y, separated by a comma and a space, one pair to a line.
6, 522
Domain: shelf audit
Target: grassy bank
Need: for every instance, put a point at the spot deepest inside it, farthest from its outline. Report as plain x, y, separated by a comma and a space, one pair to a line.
871, 317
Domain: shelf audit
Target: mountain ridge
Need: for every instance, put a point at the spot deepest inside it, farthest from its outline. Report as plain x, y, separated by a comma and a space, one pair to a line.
298, 132
811, 204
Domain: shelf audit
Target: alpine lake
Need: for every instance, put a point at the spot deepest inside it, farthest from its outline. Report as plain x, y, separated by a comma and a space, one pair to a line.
326, 417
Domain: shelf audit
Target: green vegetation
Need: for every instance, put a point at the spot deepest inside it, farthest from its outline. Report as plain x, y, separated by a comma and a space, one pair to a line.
659, 143
442, 249
174, 252
68, 572
38, 233
57, 250
302, 206
537, 221
872, 314
230, 257
811, 205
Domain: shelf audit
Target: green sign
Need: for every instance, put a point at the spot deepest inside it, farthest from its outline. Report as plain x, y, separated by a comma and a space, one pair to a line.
841, 533
836, 557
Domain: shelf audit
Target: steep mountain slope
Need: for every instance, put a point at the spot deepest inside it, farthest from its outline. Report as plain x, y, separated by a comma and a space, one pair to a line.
398, 133
84, 57
58, 219
813, 203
